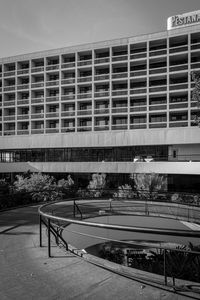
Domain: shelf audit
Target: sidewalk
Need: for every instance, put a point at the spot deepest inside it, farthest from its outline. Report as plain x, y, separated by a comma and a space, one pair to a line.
26, 273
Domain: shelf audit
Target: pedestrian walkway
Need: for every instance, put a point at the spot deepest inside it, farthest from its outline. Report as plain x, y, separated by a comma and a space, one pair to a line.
26, 273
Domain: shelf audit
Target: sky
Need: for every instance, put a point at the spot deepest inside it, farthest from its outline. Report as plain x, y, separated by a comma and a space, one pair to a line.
33, 25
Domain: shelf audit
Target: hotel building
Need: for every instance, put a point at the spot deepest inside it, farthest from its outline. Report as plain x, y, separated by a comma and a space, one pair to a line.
118, 107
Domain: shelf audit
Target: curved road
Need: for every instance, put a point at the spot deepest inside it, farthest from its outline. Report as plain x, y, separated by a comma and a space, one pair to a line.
26, 273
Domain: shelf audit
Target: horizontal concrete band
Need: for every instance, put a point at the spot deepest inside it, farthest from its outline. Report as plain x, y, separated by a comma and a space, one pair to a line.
104, 167
168, 136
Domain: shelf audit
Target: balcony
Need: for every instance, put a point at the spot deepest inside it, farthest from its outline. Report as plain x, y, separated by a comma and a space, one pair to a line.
138, 73
67, 129
119, 92
158, 89
68, 81
157, 107
195, 46
119, 58
178, 49
158, 70
102, 93
23, 117
52, 130
102, 60
101, 127
22, 86
138, 108
119, 75
52, 99
68, 97
9, 73
37, 69
158, 52
178, 67
101, 77
84, 128
22, 101
84, 62
52, 67
37, 100
68, 65
68, 113
39, 115
37, 85
119, 110
84, 95
138, 126
23, 132
9, 103
9, 118
138, 91
9, 132
52, 82
178, 86
195, 65
178, 123
52, 115
138, 55
157, 125
84, 112
84, 79
9, 88
101, 111
178, 105
23, 71
37, 131
119, 126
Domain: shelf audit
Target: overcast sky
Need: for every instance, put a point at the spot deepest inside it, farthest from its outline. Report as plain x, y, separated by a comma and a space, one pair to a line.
34, 25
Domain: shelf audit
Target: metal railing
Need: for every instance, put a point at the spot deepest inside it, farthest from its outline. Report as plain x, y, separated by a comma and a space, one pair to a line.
56, 216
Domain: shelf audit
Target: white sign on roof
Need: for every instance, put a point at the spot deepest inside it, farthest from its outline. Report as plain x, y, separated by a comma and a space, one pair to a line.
187, 19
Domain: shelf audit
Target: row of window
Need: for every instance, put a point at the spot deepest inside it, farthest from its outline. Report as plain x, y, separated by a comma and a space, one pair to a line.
155, 45
85, 154
176, 119
180, 42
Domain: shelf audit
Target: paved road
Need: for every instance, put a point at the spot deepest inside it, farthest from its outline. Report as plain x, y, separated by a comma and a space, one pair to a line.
26, 273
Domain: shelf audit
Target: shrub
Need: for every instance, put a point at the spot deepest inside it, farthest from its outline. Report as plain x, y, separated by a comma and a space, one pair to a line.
148, 185
124, 191
96, 185
41, 187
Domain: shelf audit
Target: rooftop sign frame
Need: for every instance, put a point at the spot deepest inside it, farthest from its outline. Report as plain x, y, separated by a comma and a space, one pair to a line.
183, 20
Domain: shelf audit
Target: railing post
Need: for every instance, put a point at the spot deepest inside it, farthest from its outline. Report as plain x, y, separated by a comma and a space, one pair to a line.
49, 238
40, 225
110, 205
74, 209
165, 270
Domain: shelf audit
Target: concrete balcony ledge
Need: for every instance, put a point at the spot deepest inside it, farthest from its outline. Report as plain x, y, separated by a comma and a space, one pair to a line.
186, 167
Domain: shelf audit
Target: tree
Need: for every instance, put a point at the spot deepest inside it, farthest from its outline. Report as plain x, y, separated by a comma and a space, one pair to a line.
196, 95
97, 185
124, 191
41, 187
148, 185
66, 187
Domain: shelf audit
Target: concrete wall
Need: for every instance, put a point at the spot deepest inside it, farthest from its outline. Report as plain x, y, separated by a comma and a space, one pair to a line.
169, 136
104, 167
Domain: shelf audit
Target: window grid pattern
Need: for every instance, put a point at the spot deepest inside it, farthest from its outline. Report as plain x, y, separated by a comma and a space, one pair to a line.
126, 87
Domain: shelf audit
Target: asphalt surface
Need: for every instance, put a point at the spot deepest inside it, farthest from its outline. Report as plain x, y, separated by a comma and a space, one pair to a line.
26, 272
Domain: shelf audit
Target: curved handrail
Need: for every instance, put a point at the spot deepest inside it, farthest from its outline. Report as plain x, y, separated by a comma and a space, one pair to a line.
139, 229
53, 228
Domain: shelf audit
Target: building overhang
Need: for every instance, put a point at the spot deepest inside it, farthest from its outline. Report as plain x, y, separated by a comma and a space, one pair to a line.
189, 168
168, 136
